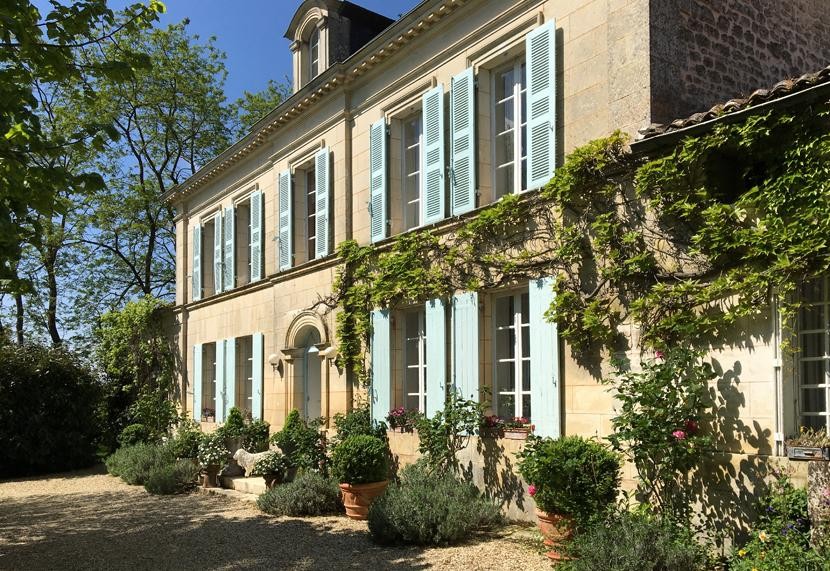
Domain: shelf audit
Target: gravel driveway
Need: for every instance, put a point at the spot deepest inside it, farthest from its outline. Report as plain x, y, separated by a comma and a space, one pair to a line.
89, 520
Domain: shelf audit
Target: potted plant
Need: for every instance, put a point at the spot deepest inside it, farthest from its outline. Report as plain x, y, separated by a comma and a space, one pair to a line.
208, 415
361, 465
212, 455
572, 480
810, 444
272, 468
517, 428
402, 420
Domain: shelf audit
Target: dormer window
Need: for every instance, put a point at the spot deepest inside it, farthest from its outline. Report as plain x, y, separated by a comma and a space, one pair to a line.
314, 54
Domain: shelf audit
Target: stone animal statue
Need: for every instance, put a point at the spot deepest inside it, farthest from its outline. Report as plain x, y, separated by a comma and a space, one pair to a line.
246, 460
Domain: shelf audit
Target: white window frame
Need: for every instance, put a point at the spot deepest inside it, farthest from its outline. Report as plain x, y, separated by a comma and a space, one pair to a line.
802, 385
518, 393
309, 191
420, 362
406, 205
519, 161
313, 63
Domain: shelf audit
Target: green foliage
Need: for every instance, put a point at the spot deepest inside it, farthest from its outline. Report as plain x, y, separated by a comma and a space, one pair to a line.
133, 464
256, 436
301, 442
636, 542
234, 426
50, 419
657, 424
428, 508
173, 478
137, 356
273, 463
185, 443
572, 476
360, 459
404, 419
441, 437
252, 107
309, 494
357, 421
134, 434
780, 539
212, 450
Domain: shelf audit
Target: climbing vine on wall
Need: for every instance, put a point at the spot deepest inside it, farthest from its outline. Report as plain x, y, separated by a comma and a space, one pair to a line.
683, 244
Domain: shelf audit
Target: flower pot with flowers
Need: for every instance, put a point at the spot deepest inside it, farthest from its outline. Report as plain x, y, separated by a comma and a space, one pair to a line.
572, 480
361, 465
208, 415
810, 444
402, 420
517, 428
492, 426
213, 454
272, 467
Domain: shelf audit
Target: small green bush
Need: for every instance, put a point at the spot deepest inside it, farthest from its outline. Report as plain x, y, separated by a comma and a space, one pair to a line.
256, 436
635, 542
234, 426
301, 442
175, 478
309, 494
360, 459
133, 464
134, 434
357, 421
185, 444
430, 509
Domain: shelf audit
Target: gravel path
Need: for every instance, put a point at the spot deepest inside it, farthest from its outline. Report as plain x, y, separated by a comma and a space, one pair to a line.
89, 520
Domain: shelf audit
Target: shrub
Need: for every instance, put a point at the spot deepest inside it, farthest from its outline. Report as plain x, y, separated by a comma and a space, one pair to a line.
256, 436
571, 476
185, 444
49, 419
301, 442
133, 464
635, 542
357, 421
212, 450
447, 432
272, 463
430, 509
309, 494
360, 459
781, 538
133, 434
173, 478
234, 426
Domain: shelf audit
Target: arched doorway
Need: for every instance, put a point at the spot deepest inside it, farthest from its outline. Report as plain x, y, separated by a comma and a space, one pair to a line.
309, 369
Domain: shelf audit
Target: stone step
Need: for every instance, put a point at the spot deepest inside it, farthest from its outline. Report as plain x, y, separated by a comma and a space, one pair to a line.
253, 485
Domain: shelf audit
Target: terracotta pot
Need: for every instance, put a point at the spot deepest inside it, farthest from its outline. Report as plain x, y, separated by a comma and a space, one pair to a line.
209, 478
358, 497
556, 529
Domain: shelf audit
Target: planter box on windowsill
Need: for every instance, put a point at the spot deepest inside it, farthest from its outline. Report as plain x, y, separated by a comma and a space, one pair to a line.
808, 453
402, 429
516, 433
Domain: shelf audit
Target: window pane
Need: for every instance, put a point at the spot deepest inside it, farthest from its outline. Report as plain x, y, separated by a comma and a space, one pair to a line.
411, 381
505, 344
525, 341
504, 84
525, 309
524, 108
411, 319
813, 290
814, 422
812, 317
813, 400
412, 158
411, 402
412, 215
812, 373
504, 311
505, 377
411, 351
504, 148
525, 375
526, 406
506, 406
812, 345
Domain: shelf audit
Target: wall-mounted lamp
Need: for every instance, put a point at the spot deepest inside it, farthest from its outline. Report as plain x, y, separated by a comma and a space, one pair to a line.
276, 363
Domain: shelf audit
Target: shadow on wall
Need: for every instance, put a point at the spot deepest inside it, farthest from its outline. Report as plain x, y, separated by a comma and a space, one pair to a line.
499, 476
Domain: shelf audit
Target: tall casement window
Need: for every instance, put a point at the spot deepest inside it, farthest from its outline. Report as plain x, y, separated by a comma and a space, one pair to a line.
510, 128
310, 182
814, 355
228, 373
511, 323
244, 375
208, 402
415, 365
314, 54
411, 170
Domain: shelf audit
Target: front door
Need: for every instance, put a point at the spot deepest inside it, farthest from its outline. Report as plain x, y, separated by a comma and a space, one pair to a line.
311, 384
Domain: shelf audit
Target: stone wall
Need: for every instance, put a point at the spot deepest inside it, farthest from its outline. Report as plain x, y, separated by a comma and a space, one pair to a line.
706, 52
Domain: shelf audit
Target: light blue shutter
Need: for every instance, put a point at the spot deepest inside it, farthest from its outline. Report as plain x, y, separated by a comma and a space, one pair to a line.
229, 281
322, 183
465, 344
218, 245
381, 365
462, 130
230, 375
258, 364
197, 264
436, 361
284, 232
256, 245
220, 381
541, 100
378, 182
197, 382
432, 179
545, 399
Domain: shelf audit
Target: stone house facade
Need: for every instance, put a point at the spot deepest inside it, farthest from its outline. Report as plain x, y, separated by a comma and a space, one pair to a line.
416, 123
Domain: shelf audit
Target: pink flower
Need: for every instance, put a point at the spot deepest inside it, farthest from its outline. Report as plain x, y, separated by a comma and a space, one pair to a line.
679, 434
659, 355
531, 490
691, 426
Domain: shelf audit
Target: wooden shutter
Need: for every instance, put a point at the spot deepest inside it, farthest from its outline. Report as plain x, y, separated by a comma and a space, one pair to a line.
258, 365
220, 381
432, 174
321, 180
257, 242
197, 382
541, 100
381, 365
436, 358
218, 246
230, 374
545, 397
378, 180
196, 272
285, 229
465, 344
463, 132
229, 281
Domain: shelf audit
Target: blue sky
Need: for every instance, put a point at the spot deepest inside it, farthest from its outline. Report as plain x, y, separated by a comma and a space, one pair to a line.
250, 32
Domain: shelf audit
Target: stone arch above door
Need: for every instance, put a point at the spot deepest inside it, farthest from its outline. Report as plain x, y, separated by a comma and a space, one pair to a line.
298, 331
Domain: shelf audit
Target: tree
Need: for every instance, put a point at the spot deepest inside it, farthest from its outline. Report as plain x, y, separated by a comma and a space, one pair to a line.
252, 107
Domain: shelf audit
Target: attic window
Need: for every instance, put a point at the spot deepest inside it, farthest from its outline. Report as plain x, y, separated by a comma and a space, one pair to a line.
314, 54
